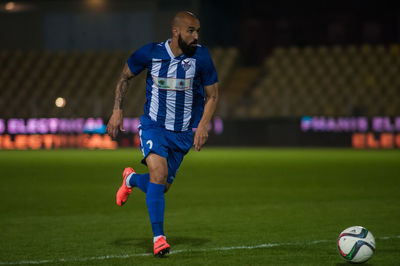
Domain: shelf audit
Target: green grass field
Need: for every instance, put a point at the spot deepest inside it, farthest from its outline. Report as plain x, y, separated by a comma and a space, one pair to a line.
226, 207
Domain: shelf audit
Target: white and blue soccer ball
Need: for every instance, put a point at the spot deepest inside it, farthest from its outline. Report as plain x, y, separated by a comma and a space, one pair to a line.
356, 244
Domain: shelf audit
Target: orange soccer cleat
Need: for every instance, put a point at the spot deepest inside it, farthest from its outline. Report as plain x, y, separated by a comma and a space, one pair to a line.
124, 191
161, 247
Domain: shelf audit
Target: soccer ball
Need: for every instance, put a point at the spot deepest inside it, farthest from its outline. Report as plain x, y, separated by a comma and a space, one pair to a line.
356, 244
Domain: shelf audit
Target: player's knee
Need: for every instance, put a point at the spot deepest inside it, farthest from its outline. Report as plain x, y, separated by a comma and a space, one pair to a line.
158, 176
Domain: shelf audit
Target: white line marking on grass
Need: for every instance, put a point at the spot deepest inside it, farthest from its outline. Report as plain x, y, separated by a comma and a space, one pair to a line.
107, 257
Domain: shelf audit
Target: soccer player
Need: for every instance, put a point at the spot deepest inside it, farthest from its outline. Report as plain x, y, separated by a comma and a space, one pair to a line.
181, 94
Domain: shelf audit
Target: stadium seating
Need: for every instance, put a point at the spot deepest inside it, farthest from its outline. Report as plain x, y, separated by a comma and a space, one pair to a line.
331, 81
292, 82
30, 82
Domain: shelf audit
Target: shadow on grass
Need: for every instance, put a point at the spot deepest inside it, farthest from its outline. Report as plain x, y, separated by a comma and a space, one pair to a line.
347, 263
190, 242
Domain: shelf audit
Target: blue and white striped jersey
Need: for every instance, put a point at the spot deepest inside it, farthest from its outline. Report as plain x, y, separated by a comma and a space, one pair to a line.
174, 85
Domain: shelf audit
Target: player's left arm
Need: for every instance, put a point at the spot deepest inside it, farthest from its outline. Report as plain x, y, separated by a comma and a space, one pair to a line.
201, 135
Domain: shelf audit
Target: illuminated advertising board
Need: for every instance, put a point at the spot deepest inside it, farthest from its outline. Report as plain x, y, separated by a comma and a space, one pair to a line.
50, 133
374, 132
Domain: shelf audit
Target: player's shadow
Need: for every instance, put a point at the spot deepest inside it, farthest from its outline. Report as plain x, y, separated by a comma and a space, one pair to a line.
347, 264
146, 242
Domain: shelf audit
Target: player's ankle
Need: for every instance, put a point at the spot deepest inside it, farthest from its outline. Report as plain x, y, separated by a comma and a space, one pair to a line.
127, 181
158, 237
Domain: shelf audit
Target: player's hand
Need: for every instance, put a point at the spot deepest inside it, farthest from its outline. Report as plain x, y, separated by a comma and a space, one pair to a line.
200, 137
114, 123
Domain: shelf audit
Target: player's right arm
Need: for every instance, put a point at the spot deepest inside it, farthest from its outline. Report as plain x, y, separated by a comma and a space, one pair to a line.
136, 63
116, 119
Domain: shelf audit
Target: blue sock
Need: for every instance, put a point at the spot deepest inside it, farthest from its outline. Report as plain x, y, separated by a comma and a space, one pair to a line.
140, 180
156, 205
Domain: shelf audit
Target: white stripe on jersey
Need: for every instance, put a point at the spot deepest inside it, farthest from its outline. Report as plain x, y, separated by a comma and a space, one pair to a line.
170, 53
171, 97
155, 69
187, 112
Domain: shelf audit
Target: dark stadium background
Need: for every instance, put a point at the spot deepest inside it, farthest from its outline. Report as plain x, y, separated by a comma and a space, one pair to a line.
305, 141
280, 64
349, 51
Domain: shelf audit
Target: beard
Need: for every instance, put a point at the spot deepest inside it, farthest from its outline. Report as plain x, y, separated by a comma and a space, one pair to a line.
187, 49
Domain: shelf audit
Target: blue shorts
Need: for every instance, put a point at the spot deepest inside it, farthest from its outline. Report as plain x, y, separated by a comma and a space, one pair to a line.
169, 144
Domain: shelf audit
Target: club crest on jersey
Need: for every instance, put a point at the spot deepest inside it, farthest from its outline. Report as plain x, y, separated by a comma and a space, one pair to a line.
186, 64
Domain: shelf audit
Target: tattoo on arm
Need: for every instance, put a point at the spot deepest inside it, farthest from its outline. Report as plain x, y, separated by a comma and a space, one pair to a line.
122, 88
212, 95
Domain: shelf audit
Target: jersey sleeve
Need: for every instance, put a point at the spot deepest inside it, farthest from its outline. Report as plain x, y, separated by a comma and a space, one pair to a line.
139, 60
208, 73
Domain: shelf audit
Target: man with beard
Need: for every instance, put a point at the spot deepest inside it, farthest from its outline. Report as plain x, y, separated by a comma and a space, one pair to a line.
181, 95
